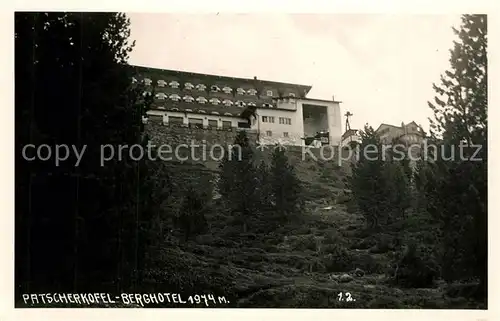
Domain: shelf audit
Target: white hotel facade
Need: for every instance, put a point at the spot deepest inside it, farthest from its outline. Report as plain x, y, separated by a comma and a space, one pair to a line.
280, 112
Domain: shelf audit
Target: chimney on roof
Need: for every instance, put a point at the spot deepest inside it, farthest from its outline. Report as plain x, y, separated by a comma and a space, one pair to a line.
254, 77
333, 97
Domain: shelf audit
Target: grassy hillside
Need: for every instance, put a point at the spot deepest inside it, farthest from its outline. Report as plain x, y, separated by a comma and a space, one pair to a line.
304, 264
307, 264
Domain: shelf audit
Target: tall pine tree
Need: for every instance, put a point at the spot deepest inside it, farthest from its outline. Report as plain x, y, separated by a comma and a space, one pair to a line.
460, 118
285, 186
77, 226
379, 181
238, 183
367, 183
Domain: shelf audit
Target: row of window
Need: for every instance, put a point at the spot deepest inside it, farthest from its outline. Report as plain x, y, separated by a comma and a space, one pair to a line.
202, 87
201, 111
198, 122
270, 134
203, 100
282, 120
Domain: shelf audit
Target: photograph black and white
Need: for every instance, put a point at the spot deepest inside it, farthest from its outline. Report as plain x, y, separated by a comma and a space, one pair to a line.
223, 160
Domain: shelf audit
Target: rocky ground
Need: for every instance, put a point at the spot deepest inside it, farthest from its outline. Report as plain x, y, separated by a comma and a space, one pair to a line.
298, 270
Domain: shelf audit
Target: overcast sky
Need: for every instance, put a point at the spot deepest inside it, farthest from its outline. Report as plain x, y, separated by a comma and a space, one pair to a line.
380, 66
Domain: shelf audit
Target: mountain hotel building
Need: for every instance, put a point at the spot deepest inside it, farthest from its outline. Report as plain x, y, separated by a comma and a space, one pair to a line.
280, 112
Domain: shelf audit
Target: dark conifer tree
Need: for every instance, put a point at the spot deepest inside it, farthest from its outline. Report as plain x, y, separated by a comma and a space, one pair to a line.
367, 183
285, 186
238, 183
460, 184
77, 226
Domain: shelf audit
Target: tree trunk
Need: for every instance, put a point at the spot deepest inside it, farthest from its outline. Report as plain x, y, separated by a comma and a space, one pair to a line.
76, 237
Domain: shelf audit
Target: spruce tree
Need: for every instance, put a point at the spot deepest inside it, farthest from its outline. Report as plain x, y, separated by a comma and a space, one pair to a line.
238, 183
285, 186
380, 182
264, 188
77, 227
398, 175
367, 181
460, 117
